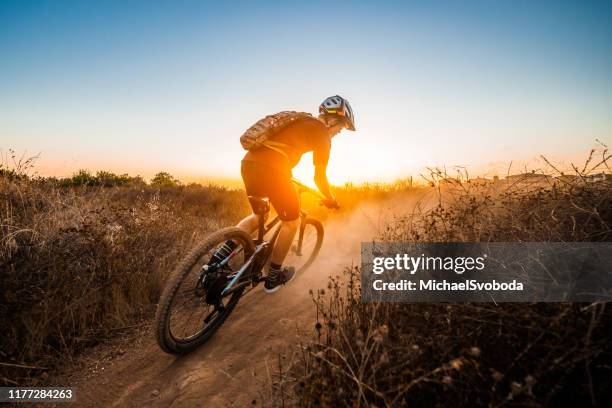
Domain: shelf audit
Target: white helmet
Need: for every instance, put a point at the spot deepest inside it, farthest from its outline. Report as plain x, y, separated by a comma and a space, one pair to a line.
338, 106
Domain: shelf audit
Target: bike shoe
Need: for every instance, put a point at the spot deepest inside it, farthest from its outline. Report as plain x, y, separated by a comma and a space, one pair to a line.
278, 278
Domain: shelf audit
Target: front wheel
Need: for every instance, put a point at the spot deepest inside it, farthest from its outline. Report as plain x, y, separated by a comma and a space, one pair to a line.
191, 308
306, 245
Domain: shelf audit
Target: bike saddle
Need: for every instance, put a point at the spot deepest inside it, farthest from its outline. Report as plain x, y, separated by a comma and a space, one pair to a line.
261, 205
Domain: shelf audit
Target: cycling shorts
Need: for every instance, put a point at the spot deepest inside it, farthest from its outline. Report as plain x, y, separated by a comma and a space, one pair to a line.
265, 181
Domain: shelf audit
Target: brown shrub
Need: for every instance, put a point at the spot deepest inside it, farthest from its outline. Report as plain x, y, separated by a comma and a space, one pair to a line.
77, 263
399, 354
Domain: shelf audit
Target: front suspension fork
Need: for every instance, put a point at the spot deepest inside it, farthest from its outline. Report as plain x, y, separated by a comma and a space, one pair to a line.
297, 249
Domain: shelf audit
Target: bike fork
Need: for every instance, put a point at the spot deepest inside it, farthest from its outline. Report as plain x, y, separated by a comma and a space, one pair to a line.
297, 249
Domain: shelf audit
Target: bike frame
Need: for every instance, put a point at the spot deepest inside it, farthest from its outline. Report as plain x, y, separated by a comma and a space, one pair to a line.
257, 261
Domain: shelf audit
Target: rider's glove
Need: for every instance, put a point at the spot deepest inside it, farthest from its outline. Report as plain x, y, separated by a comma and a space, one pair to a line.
330, 203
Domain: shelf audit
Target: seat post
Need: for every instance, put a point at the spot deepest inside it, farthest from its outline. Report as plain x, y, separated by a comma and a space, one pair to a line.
260, 228
261, 207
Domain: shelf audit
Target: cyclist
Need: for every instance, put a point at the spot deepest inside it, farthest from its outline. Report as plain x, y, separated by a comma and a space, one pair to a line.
266, 172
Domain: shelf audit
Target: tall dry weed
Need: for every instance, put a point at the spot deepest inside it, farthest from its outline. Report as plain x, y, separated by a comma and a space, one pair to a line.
78, 263
394, 354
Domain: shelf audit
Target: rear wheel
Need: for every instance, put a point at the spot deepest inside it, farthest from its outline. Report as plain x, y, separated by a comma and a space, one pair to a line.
191, 308
306, 245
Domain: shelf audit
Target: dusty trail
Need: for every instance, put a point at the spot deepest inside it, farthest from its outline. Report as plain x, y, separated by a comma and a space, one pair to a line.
230, 369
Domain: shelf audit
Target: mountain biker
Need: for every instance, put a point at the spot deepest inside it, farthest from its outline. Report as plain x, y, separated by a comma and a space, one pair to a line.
266, 172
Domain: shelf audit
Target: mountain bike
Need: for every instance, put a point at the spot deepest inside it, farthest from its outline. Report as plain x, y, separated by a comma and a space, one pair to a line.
200, 294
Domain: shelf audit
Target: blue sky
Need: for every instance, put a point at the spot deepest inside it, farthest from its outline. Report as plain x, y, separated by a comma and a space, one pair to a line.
139, 87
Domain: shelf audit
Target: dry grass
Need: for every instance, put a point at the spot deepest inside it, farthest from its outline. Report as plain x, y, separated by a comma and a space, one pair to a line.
399, 354
82, 258
79, 263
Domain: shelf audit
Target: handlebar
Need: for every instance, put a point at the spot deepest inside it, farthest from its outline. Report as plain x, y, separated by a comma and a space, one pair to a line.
302, 188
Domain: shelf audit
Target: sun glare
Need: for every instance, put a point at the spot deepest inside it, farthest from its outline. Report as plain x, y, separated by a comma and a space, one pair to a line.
355, 166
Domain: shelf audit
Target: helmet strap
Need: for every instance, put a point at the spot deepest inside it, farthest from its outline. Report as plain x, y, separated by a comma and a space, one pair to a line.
331, 120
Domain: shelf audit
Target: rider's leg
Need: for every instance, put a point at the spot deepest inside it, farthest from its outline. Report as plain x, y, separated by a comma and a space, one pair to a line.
283, 242
285, 200
277, 275
248, 224
251, 222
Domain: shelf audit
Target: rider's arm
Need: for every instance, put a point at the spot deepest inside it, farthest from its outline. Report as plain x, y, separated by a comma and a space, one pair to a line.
320, 158
320, 179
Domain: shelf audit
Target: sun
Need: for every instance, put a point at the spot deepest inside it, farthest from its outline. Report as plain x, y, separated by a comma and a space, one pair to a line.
354, 166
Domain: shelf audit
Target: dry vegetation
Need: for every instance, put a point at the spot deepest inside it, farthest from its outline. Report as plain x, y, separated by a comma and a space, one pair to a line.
394, 354
84, 257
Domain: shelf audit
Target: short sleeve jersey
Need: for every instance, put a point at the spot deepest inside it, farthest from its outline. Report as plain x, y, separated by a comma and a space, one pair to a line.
306, 135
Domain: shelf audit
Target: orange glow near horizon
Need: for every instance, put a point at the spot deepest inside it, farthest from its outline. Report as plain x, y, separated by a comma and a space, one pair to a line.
352, 161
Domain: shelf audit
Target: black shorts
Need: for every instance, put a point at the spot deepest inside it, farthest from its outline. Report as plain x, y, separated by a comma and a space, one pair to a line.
265, 181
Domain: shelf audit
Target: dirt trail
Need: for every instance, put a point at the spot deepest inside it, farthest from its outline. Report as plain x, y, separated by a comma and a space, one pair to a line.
232, 367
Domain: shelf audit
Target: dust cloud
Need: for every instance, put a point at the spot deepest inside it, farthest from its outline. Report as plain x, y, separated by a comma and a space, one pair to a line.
345, 233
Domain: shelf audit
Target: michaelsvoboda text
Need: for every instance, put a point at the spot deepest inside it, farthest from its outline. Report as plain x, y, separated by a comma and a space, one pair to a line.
444, 285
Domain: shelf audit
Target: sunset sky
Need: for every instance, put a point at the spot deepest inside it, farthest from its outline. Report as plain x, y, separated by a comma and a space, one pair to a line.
144, 86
